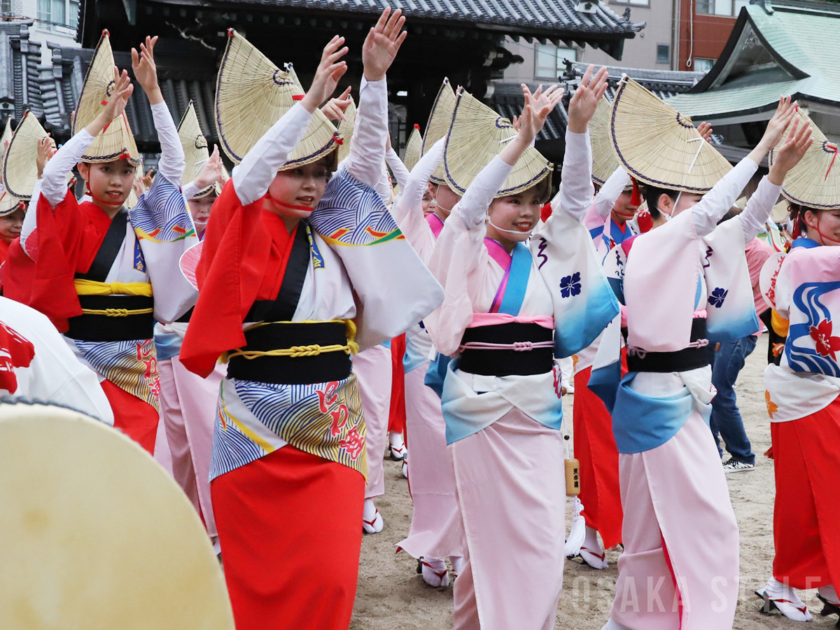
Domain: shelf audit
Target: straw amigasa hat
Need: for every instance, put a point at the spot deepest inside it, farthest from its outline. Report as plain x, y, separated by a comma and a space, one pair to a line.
84, 552
345, 130
412, 148
604, 160
20, 169
116, 141
196, 150
779, 213
4, 142
476, 136
438, 125
252, 94
815, 181
659, 146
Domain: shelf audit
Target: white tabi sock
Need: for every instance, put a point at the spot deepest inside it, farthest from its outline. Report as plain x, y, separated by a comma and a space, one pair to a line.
787, 601
592, 552
372, 521
434, 572
397, 445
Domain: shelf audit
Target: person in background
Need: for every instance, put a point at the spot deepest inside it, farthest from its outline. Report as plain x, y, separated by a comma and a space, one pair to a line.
729, 359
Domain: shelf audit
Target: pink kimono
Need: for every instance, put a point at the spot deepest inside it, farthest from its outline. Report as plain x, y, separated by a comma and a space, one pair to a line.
503, 427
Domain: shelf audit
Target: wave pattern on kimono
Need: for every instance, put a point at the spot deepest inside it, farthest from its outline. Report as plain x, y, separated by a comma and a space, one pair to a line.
130, 365
255, 419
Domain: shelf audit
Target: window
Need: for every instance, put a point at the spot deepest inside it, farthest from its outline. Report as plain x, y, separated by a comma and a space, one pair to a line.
703, 65
548, 62
6, 6
729, 8
663, 53
58, 13
643, 3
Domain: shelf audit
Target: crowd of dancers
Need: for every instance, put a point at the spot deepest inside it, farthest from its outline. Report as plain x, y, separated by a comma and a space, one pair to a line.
270, 334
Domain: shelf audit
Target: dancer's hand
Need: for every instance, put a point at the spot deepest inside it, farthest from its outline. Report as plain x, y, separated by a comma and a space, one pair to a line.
705, 130
793, 149
211, 171
537, 108
329, 71
115, 105
586, 98
145, 70
336, 107
46, 149
382, 44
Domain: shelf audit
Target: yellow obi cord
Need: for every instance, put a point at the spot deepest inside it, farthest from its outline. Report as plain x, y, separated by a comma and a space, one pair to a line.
117, 312
91, 287
303, 351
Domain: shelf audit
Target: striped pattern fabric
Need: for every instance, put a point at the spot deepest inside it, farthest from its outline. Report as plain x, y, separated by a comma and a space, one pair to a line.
255, 419
351, 213
130, 365
161, 214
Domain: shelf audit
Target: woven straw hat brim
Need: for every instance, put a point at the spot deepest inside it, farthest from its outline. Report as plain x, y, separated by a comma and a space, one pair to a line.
196, 151
116, 141
780, 211
477, 135
412, 149
9, 203
4, 140
438, 124
659, 146
345, 130
604, 160
815, 181
20, 170
251, 95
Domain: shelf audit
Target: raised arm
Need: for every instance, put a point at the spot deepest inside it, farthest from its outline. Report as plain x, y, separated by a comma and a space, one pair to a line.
576, 189
255, 173
399, 170
367, 151
711, 208
761, 203
172, 163
418, 180
610, 192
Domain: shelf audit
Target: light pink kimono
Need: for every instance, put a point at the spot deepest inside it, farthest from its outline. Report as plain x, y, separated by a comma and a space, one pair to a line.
431, 476
510, 473
679, 569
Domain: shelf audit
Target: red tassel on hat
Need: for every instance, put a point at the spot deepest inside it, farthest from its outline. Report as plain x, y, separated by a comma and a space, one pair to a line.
297, 97
636, 199
417, 127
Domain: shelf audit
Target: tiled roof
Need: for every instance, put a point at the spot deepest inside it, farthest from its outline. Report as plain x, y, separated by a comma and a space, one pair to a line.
549, 17
801, 58
508, 99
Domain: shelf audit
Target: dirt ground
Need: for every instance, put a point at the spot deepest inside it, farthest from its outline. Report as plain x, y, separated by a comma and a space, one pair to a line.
392, 595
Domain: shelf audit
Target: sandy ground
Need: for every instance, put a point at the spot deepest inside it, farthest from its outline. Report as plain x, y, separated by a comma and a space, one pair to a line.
392, 595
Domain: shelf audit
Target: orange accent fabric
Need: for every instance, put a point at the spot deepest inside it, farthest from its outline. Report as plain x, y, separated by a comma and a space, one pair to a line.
290, 526
806, 513
134, 417
396, 416
243, 259
596, 451
64, 243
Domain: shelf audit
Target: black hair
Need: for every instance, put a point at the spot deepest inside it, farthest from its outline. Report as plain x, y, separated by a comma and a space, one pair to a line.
652, 195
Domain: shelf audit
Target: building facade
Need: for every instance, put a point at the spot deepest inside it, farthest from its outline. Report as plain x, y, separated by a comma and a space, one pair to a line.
53, 21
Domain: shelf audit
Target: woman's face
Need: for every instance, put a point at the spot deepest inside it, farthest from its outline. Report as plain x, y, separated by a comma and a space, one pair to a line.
513, 218
824, 227
109, 183
445, 200
200, 210
624, 210
11, 225
429, 200
295, 193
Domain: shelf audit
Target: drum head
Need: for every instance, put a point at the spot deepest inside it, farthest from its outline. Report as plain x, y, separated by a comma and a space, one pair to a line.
95, 534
